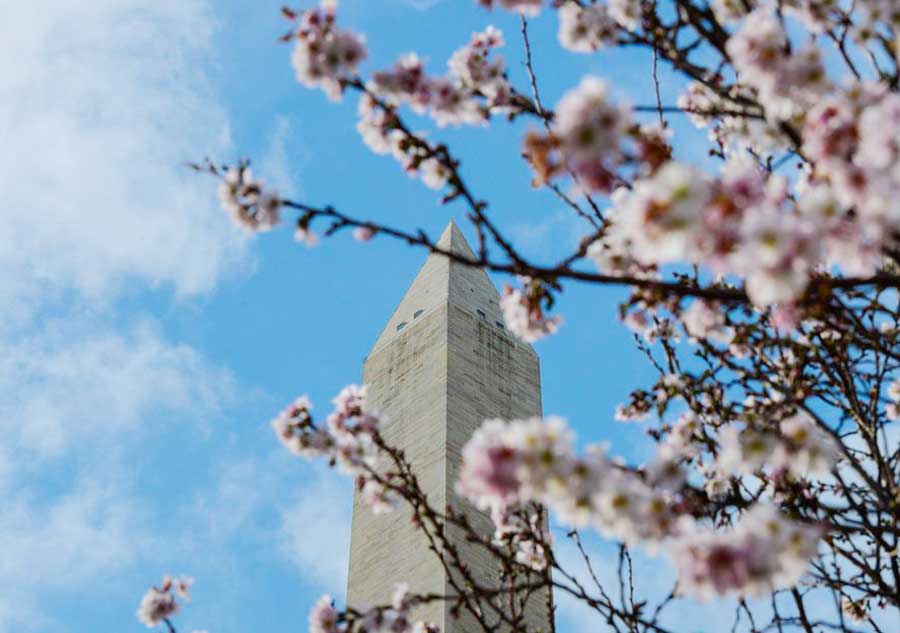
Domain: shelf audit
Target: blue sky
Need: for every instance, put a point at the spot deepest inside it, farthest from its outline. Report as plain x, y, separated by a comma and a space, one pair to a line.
147, 342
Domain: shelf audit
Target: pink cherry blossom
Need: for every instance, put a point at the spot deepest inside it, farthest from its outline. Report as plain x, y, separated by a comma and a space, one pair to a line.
324, 617
763, 552
159, 603
585, 29
705, 321
524, 315
363, 233
589, 128
324, 55
247, 201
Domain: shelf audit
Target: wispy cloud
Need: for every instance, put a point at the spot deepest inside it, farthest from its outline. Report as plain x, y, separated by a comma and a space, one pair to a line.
97, 123
101, 104
315, 531
422, 5
282, 158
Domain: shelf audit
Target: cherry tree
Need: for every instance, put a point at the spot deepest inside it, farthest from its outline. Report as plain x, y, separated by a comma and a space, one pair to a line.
761, 285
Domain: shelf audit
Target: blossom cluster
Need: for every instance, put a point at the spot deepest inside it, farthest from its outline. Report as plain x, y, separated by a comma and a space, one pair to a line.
525, 533
474, 87
451, 99
705, 320
763, 552
250, 204
851, 137
508, 464
745, 221
347, 440
799, 448
160, 603
733, 126
395, 618
523, 311
379, 132
585, 29
324, 55
740, 223
786, 81
585, 139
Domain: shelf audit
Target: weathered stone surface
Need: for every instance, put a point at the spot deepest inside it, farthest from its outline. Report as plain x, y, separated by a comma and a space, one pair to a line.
443, 364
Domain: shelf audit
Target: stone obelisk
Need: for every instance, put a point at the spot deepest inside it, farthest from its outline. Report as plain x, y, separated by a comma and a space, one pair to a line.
443, 364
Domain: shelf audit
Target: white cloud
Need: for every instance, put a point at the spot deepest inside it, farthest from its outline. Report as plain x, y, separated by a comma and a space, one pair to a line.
80, 539
73, 413
538, 238
310, 517
281, 159
101, 105
315, 531
301, 510
423, 5
64, 385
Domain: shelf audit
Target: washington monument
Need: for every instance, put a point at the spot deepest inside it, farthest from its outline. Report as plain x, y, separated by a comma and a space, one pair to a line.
443, 364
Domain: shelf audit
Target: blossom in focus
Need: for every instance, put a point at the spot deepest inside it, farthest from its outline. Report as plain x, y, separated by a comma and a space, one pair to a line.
376, 125
324, 55
347, 441
526, 535
392, 618
159, 603
454, 99
510, 463
524, 314
249, 203
477, 71
740, 223
763, 552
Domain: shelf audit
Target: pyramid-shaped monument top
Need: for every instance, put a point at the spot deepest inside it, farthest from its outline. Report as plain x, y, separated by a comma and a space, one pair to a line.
441, 281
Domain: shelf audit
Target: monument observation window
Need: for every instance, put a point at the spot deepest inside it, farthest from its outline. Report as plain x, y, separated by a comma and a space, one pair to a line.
401, 325
417, 313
